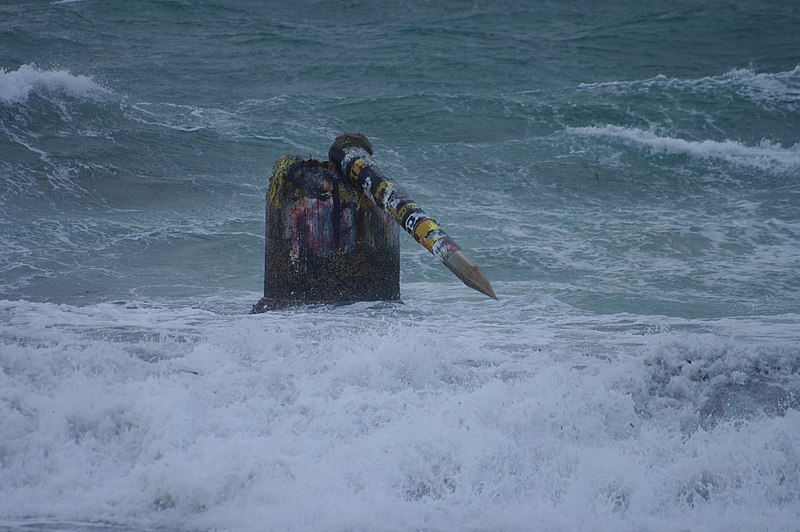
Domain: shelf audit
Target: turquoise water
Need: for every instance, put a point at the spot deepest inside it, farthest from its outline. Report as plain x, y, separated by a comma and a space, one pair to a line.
626, 174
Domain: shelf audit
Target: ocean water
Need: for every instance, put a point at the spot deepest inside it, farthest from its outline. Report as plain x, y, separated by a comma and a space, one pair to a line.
626, 173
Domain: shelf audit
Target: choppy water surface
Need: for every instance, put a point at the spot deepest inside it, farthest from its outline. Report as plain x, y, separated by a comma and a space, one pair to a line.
625, 174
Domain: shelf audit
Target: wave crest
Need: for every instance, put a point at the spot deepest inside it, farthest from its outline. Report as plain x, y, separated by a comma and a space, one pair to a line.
17, 85
763, 88
766, 155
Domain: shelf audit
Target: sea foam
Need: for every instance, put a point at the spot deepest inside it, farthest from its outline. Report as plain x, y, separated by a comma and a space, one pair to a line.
17, 85
767, 155
364, 418
767, 89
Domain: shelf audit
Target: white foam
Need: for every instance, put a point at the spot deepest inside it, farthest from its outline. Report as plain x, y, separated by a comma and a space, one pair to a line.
764, 88
512, 415
17, 85
767, 156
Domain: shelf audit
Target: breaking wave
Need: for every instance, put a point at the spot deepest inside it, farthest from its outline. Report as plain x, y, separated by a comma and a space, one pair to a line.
17, 85
766, 156
770, 90
188, 419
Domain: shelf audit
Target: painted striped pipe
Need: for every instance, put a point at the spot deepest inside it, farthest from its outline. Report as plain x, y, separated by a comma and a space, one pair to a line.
351, 152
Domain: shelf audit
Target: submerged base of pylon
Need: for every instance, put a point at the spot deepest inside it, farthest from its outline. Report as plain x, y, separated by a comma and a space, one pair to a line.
267, 304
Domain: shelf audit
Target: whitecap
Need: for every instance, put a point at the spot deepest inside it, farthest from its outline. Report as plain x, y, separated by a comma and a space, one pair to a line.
17, 85
181, 417
767, 89
767, 155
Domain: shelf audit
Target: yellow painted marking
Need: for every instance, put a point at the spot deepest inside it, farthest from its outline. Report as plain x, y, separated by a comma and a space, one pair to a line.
425, 227
379, 193
399, 215
356, 168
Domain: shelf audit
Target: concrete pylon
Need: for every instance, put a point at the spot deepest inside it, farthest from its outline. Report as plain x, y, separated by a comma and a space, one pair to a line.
326, 243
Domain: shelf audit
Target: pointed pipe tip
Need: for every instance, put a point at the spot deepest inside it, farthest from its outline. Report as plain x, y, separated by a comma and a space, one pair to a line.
469, 272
